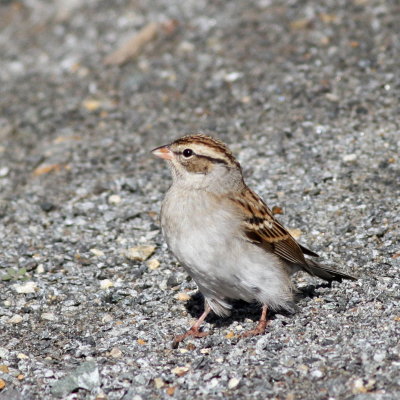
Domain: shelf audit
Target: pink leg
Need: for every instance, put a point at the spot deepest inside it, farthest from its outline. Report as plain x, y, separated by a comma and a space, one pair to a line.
194, 330
261, 326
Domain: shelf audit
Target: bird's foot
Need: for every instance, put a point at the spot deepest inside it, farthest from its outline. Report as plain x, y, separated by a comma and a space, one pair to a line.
258, 330
261, 326
193, 331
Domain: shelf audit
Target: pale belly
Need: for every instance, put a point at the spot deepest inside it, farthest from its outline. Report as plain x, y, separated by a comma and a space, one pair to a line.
206, 239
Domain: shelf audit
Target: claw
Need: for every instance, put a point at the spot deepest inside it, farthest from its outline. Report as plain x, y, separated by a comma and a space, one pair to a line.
195, 332
261, 326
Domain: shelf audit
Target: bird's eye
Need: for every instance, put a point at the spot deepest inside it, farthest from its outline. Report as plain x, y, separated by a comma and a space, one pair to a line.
187, 153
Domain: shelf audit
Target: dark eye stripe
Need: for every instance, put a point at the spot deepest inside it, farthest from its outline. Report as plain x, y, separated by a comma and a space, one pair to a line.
212, 159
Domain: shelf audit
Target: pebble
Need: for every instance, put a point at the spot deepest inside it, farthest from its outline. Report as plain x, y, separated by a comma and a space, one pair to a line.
106, 284
27, 287
153, 264
233, 383
183, 296
180, 371
114, 199
4, 172
4, 353
107, 318
159, 383
97, 252
349, 157
15, 319
49, 316
140, 253
40, 269
116, 352
4, 368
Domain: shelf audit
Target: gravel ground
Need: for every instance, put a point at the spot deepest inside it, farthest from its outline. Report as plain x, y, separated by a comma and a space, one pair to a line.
306, 94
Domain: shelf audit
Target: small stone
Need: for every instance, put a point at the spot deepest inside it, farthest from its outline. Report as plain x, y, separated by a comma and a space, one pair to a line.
4, 352
233, 383
46, 206
91, 105
115, 352
379, 356
213, 383
170, 390
303, 368
40, 269
182, 296
22, 356
4, 172
140, 253
97, 252
15, 319
317, 373
180, 371
349, 157
230, 335
86, 376
4, 368
186, 47
205, 351
47, 168
358, 386
159, 383
296, 233
27, 287
107, 318
49, 316
141, 342
332, 97
153, 264
2, 384
233, 76
114, 199
277, 210
106, 284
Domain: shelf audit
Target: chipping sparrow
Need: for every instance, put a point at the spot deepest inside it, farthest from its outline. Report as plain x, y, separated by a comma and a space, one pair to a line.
225, 236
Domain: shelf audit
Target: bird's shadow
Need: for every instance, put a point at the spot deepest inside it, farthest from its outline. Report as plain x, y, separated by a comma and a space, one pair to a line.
242, 310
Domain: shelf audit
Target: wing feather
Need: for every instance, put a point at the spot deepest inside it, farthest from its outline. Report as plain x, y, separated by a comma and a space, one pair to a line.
262, 228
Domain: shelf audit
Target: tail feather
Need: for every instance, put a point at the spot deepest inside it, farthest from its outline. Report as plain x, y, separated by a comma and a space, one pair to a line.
326, 273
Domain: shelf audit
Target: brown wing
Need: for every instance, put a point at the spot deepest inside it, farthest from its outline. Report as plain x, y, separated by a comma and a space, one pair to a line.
261, 228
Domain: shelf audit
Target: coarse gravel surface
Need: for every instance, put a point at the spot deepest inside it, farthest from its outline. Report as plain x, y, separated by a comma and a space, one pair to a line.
306, 94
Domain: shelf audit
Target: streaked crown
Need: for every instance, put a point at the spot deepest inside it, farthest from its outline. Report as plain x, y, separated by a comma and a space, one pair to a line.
204, 146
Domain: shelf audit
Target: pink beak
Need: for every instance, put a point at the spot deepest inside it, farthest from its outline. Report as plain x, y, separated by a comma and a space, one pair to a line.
163, 152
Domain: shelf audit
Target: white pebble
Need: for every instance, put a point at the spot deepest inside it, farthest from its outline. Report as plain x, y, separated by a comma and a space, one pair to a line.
114, 199
49, 316
233, 383
349, 157
27, 287
106, 284
15, 319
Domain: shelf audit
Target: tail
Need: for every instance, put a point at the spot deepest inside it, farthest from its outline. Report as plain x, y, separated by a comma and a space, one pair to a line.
326, 273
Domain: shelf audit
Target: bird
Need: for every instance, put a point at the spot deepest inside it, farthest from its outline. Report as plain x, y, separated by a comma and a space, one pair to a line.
225, 235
